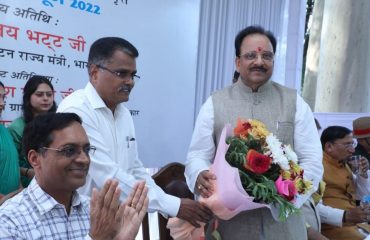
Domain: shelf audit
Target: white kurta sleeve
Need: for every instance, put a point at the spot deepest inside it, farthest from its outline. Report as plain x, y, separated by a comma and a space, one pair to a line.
307, 147
330, 215
202, 147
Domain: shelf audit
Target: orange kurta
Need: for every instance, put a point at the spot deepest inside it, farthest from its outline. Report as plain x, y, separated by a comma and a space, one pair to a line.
339, 193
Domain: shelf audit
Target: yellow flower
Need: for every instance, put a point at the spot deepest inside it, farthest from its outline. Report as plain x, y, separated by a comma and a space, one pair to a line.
259, 129
295, 168
286, 175
302, 185
308, 184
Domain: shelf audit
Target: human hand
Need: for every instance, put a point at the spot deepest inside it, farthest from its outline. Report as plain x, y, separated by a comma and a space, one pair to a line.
204, 185
357, 215
363, 167
194, 212
135, 208
105, 211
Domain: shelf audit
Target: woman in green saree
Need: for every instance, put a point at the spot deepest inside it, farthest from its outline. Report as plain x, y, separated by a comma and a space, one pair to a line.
9, 168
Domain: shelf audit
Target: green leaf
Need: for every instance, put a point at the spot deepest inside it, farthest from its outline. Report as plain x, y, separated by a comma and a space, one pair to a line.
216, 235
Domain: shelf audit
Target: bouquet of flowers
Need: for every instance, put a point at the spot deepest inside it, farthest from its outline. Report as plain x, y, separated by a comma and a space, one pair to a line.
254, 170
268, 169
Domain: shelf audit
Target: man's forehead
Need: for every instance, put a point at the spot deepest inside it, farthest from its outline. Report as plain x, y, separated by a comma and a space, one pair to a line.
120, 53
257, 42
122, 59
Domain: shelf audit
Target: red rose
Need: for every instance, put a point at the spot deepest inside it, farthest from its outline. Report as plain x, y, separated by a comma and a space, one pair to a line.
257, 162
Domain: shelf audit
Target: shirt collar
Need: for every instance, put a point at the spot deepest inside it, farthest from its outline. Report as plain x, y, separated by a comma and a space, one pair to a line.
245, 88
93, 97
96, 101
332, 161
44, 202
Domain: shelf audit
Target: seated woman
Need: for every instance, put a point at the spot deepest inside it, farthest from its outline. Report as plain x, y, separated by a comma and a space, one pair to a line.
38, 98
9, 168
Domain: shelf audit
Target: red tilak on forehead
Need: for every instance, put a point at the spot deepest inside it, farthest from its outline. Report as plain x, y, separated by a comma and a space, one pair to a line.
259, 49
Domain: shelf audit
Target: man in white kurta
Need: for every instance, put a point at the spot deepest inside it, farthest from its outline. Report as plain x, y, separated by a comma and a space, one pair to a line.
109, 126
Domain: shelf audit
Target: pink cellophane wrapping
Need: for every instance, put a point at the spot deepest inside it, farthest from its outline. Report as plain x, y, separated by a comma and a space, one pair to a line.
228, 199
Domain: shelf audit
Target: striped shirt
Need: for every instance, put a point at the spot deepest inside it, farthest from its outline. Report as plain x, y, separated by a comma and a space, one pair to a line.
34, 214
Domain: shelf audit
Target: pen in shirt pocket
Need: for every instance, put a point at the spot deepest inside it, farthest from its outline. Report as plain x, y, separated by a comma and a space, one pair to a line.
129, 139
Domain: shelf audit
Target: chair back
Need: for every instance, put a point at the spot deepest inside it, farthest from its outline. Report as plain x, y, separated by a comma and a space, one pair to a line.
171, 179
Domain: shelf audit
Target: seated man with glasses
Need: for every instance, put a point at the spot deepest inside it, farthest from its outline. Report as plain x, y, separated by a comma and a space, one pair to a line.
338, 211
58, 149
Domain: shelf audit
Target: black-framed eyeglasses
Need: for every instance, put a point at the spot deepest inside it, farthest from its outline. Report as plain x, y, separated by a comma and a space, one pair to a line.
253, 55
73, 151
123, 74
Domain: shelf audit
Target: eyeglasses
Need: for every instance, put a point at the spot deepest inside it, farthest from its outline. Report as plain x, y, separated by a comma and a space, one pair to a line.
73, 151
251, 56
348, 145
123, 74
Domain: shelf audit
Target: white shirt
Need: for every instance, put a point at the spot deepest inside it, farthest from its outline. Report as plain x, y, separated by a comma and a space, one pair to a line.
334, 216
34, 214
307, 146
116, 155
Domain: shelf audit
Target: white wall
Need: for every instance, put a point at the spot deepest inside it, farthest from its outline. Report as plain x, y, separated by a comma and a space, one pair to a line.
166, 35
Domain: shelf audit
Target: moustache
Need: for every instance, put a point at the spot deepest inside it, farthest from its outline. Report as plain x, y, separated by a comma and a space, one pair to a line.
80, 166
260, 69
125, 88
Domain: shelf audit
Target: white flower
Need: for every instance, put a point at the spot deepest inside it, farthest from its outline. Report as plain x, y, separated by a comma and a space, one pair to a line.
290, 154
277, 152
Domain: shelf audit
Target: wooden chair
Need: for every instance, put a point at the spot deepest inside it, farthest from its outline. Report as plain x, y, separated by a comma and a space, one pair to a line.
172, 180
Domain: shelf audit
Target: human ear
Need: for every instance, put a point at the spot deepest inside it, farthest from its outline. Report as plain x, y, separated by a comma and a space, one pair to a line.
328, 147
34, 158
237, 64
93, 73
